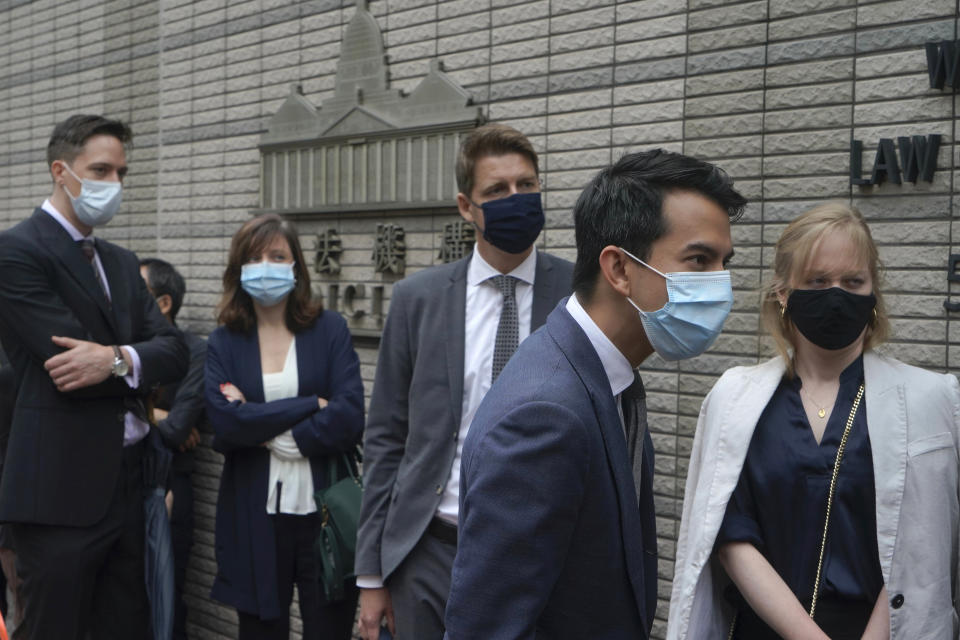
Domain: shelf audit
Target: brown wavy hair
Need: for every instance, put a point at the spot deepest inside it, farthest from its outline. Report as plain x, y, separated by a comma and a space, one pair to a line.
794, 252
236, 307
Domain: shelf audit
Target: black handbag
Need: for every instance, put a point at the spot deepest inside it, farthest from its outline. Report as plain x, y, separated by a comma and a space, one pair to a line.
339, 507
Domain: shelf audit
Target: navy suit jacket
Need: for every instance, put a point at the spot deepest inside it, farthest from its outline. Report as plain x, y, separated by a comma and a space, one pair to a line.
328, 367
552, 542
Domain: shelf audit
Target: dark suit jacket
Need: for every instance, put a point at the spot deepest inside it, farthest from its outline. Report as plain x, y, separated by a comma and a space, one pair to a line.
416, 404
48, 288
183, 401
8, 395
552, 544
328, 367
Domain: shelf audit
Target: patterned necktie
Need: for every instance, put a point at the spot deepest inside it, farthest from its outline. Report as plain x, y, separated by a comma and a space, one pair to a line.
634, 400
508, 331
88, 247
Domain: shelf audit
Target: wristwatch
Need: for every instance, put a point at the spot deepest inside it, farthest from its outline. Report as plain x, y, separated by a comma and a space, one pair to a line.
120, 367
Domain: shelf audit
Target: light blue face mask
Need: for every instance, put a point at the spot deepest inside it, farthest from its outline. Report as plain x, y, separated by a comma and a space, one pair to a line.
98, 201
268, 282
697, 306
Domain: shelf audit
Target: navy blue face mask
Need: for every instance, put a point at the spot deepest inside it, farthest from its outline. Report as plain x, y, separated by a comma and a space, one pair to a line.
512, 224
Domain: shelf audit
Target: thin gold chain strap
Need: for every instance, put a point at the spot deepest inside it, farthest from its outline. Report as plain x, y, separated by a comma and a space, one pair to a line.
826, 523
833, 486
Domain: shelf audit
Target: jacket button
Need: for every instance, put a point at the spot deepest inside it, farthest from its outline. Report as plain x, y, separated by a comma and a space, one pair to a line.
439, 490
897, 601
121, 417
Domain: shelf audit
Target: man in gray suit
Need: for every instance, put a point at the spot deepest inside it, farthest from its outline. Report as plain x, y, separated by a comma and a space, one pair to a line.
450, 330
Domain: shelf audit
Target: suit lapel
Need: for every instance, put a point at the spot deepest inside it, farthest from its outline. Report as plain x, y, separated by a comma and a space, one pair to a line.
885, 401
119, 311
251, 366
455, 310
543, 292
59, 243
307, 377
585, 361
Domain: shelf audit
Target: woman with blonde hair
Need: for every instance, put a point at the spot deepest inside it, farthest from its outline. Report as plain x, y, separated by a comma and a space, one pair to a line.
822, 494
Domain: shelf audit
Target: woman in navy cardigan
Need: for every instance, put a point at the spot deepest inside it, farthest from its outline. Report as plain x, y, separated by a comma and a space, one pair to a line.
285, 398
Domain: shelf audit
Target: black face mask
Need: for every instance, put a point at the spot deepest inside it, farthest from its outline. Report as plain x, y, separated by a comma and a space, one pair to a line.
830, 318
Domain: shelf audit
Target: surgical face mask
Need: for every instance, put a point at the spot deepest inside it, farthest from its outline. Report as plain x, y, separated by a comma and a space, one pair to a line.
830, 318
268, 282
512, 224
697, 306
98, 201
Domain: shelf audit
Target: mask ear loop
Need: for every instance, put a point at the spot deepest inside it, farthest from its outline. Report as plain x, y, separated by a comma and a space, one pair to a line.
655, 270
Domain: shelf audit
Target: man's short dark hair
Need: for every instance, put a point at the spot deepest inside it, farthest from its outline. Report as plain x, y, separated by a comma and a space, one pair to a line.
490, 140
163, 279
623, 206
69, 136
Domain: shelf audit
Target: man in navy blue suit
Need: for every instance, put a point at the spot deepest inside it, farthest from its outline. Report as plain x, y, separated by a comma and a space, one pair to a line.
88, 344
557, 528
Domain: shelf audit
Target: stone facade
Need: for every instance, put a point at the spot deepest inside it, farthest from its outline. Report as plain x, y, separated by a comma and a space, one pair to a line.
772, 90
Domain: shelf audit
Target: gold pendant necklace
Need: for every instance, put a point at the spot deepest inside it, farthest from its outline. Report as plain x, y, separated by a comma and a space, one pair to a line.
821, 409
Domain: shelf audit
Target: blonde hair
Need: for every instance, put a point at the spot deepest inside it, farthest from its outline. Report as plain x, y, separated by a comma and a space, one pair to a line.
793, 254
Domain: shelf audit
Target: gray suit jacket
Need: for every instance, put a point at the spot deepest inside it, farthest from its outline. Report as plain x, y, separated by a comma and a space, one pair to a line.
414, 418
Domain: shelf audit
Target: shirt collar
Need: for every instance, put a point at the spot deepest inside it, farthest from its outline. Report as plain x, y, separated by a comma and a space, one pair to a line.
480, 270
59, 217
615, 364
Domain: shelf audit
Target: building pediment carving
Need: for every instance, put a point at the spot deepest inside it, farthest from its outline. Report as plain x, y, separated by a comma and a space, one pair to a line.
367, 147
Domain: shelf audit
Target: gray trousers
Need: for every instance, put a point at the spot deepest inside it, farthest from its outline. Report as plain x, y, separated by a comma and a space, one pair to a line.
419, 589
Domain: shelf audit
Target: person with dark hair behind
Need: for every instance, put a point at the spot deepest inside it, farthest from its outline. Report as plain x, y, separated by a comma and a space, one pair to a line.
88, 344
557, 527
284, 396
178, 412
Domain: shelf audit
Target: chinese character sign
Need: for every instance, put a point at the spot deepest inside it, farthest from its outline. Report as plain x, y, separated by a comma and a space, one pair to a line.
328, 252
457, 240
389, 249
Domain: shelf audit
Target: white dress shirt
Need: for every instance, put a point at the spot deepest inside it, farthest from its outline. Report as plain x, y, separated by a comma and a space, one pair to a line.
484, 303
290, 479
134, 429
615, 364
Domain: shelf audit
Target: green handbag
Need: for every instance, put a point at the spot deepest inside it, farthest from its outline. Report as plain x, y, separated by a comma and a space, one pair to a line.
339, 507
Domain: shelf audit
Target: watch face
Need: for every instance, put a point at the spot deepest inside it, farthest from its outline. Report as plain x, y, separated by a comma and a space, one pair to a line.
120, 367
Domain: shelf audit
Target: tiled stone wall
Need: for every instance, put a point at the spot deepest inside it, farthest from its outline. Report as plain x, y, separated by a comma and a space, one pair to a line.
772, 90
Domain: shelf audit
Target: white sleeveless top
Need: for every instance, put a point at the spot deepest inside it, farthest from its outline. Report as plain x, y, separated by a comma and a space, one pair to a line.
290, 479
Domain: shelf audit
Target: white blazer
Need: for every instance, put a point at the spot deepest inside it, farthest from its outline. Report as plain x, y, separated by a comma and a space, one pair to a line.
912, 417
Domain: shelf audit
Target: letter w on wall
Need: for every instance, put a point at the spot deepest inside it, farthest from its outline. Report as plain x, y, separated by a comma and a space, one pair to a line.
943, 64
918, 157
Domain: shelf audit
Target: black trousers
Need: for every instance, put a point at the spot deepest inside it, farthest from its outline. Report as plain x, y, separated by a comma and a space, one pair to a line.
87, 580
181, 530
296, 564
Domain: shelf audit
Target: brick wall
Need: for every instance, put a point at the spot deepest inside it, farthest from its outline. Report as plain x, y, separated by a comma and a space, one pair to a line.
772, 90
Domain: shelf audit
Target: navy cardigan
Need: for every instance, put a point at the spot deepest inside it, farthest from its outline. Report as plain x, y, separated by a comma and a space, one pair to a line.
328, 367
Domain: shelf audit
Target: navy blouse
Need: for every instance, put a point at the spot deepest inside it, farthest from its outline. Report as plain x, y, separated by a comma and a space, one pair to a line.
780, 501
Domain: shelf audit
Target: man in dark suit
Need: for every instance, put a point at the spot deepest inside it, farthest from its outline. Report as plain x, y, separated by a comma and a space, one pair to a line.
87, 342
178, 410
557, 528
448, 334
